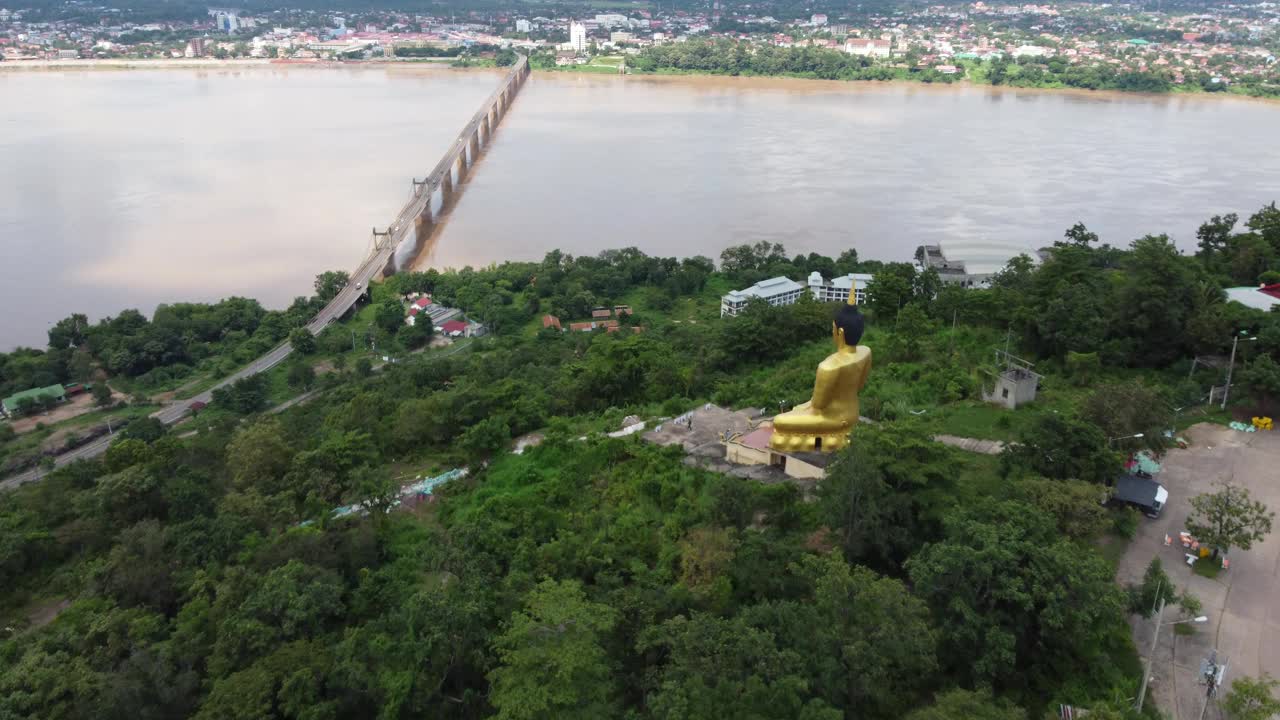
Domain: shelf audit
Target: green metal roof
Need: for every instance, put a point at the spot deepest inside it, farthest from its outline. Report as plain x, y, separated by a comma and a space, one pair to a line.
11, 402
1139, 41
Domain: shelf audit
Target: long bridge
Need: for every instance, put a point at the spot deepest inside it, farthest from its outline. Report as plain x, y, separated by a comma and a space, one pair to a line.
414, 219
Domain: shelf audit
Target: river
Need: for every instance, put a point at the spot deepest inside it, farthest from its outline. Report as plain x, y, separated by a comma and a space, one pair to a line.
131, 188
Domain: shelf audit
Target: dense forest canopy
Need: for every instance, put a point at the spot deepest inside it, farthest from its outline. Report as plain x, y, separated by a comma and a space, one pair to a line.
200, 571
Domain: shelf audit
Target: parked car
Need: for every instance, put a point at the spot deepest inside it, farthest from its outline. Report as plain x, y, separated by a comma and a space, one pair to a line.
1143, 493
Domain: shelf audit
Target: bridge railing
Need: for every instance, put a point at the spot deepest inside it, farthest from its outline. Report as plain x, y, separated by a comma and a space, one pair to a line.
423, 191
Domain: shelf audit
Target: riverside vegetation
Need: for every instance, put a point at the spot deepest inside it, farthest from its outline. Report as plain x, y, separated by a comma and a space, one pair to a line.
605, 577
727, 57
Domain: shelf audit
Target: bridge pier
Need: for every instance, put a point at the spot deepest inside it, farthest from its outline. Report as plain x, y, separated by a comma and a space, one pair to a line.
446, 186
475, 146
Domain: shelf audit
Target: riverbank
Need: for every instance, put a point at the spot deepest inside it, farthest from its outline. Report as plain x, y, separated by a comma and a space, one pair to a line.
691, 78
229, 64
791, 83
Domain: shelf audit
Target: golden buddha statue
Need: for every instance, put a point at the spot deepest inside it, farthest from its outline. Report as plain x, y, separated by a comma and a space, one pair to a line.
823, 423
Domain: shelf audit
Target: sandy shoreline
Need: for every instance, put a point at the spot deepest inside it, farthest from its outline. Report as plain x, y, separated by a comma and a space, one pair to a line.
707, 81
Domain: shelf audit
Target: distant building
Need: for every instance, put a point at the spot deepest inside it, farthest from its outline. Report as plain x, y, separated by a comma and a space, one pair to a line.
12, 405
601, 314
868, 47
195, 47
578, 36
611, 20
818, 19
454, 328
620, 37
435, 314
1031, 51
551, 321
981, 262
837, 289
227, 20
68, 54
775, 291
524, 26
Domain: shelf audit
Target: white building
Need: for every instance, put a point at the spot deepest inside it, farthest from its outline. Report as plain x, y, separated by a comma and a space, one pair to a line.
611, 20
578, 36
868, 47
818, 19
524, 26
775, 291
837, 289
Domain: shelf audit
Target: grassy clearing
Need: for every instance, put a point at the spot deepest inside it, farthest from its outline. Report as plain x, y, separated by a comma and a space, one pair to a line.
1207, 567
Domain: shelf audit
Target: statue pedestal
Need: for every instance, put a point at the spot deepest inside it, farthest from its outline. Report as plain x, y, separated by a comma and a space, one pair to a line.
796, 442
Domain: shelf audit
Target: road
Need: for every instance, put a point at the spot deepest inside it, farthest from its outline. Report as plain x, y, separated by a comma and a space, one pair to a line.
1244, 618
345, 299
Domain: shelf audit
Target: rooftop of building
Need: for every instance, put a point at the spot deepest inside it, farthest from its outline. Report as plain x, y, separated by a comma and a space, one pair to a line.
766, 288
11, 402
1258, 298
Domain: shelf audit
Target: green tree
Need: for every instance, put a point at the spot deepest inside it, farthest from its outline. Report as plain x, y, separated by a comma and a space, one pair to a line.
1214, 235
101, 394
1060, 447
364, 367
389, 315
328, 284
259, 455
1156, 298
717, 667
1252, 699
874, 639
1078, 235
302, 341
301, 375
1005, 589
1074, 504
551, 661
1156, 586
968, 705
1128, 408
892, 287
1229, 518
911, 331
1261, 379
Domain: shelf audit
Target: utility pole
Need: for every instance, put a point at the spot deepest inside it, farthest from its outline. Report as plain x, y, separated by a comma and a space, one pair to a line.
1146, 670
1231, 366
1213, 674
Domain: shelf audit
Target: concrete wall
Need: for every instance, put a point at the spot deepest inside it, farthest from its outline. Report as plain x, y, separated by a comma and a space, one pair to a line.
743, 455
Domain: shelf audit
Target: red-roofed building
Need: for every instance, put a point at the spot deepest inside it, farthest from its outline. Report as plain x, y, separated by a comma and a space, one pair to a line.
600, 313
454, 328
549, 321
1272, 290
582, 327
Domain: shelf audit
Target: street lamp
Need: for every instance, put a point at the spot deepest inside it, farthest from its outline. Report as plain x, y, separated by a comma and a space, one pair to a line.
1124, 437
1232, 366
1155, 637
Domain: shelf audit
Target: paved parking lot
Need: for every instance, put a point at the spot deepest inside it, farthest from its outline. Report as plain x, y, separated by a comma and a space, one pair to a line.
1243, 603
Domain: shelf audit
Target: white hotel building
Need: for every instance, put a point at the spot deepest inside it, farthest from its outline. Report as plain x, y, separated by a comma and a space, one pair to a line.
784, 291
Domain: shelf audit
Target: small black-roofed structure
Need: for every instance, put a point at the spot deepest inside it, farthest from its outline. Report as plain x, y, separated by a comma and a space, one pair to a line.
1143, 493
